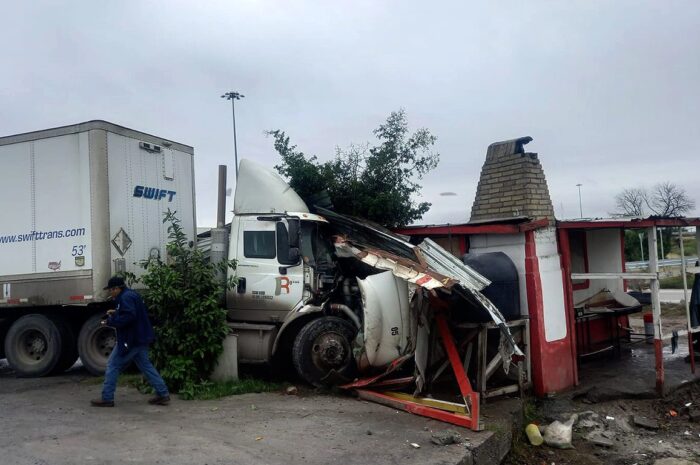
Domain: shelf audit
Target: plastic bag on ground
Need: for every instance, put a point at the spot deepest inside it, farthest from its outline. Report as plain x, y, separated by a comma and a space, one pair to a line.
558, 434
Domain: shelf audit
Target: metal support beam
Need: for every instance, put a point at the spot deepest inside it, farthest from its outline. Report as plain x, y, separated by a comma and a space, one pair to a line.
656, 310
614, 275
686, 300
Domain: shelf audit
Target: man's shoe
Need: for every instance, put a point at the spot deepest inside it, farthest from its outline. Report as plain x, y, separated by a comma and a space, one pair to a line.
159, 400
102, 403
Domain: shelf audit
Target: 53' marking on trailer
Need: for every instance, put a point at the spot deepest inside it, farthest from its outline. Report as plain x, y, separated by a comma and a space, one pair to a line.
78, 250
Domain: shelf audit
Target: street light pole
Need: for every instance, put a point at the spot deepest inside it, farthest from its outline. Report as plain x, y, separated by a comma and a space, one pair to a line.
233, 96
580, 205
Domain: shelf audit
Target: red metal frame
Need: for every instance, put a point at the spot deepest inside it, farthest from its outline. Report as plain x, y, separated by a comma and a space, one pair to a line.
494, 228
471, 398
565, 258
463, 246
658, 352
393, 366
467, 421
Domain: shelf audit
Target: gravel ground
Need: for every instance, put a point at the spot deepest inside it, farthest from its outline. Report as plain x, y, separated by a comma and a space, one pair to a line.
49, 421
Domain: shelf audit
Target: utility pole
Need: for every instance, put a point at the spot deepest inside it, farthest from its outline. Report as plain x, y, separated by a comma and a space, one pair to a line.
233, 96
580, 205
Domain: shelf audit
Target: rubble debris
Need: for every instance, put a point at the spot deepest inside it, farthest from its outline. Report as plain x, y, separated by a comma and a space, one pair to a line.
645, 422
292, 391
673, 461
533, 434
599, 440
558, 434
694, 415
446, 437
588, 420
415, 446
623, 425
673, 413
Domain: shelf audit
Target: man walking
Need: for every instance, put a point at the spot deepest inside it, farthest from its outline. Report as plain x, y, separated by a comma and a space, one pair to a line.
134, 334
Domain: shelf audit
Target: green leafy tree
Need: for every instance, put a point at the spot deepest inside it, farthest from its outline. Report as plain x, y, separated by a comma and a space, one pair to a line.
377, 182
634, 251
184, 299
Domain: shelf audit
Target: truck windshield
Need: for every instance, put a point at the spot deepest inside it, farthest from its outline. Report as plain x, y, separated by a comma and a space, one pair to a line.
315, 250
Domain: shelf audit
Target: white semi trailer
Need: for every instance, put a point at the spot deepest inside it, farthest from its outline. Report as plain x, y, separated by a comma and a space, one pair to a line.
78, 204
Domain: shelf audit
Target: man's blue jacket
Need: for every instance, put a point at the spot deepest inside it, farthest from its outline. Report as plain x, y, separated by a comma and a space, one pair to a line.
131, 321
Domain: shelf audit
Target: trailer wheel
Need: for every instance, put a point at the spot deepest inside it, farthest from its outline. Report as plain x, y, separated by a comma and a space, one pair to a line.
95, 344
323, 351
69, 346
33, 346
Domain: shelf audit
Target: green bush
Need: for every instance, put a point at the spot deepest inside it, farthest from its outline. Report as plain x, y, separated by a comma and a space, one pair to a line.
676, 282
184, 299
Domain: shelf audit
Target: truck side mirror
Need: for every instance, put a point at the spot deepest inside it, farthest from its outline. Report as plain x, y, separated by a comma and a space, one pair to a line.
293, 225
294, 255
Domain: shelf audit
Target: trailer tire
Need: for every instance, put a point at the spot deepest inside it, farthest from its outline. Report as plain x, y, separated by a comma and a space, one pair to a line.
33, 346
69, 346
322, 351
95, 344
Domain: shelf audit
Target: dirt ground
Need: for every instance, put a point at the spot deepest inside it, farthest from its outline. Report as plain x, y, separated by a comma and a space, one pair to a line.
49, 421
606, 431
624, 442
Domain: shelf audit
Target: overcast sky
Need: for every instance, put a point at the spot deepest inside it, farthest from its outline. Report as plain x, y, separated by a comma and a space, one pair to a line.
610, 91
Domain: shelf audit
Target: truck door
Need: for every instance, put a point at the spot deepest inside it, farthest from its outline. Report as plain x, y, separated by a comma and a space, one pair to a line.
270, 278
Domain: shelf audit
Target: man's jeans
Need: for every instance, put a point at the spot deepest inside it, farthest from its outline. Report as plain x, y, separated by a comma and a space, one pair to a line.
117, 362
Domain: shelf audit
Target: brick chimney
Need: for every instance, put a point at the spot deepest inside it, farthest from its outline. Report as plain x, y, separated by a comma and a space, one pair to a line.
512, 184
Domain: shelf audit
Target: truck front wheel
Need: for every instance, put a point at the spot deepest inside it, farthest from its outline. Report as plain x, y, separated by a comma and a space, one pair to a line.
33, 346
95, 344
322, 351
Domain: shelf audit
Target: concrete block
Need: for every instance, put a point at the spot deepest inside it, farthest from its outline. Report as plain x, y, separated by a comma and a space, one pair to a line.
227, 365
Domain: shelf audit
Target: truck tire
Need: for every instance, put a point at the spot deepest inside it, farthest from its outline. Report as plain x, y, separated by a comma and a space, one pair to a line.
69, 345
33, 346
95, 344
322, 351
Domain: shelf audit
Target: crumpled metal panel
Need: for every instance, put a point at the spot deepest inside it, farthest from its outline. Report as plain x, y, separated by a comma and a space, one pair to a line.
401, 268
447, 264
427, 265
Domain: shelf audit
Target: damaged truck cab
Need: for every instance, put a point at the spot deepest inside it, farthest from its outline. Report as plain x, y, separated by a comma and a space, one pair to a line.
296, 300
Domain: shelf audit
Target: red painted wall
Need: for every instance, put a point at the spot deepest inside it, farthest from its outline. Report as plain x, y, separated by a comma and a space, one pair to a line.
553, 363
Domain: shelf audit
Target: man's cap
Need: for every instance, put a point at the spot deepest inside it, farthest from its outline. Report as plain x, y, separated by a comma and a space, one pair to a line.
115, 281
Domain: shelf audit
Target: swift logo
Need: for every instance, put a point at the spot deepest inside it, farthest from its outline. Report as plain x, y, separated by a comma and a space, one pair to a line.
153, 193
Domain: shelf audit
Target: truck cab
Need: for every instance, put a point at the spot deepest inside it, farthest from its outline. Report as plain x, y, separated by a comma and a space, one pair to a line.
296, 301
